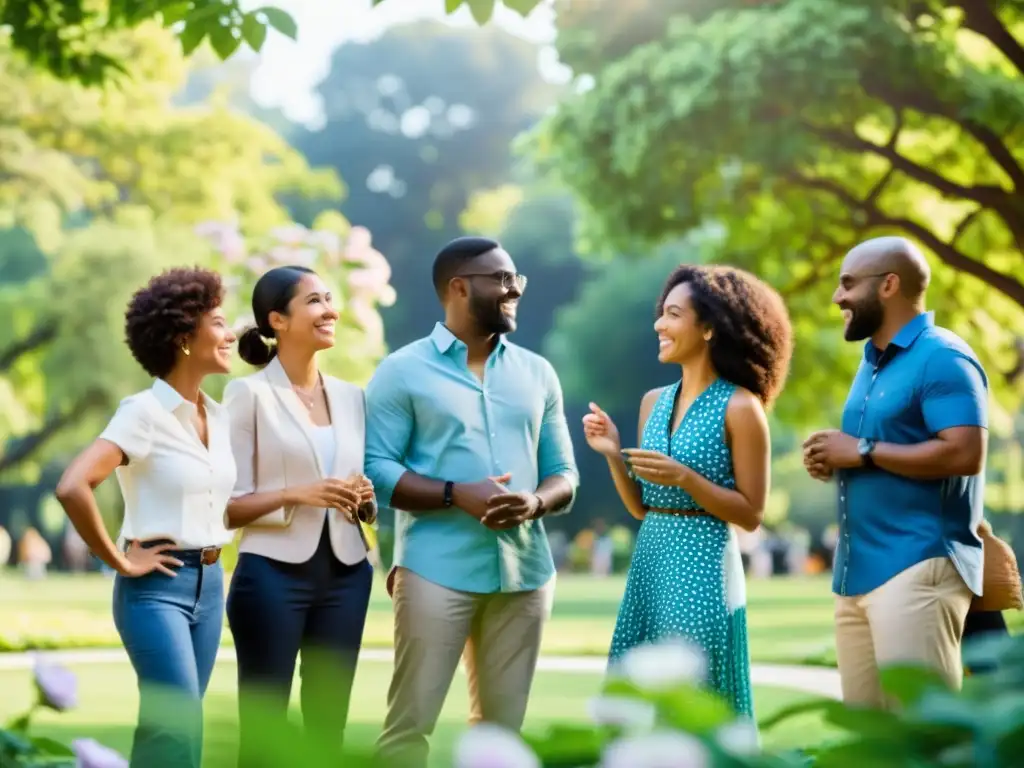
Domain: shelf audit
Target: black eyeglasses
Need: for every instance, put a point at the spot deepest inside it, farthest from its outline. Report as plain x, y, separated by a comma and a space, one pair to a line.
508, 280
848, 281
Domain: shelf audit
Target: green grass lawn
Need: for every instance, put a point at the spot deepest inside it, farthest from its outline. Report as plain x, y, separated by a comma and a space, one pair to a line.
108, 701
790, 619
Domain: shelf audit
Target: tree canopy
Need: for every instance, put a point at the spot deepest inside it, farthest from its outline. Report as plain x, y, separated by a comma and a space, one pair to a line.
69, 38
100, 188
802, 127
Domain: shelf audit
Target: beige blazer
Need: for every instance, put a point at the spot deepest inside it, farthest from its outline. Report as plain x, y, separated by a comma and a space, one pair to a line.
274, 448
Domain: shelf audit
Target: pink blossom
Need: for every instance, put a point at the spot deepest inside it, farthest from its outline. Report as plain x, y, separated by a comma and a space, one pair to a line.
370, 321
292, 234
58, 688
89, 753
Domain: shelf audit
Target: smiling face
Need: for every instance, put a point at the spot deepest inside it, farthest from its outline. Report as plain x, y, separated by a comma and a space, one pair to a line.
859, 296
492, 289
209, 348
680, 332
311, 317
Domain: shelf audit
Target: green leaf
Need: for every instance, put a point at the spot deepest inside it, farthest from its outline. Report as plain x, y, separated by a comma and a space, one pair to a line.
13, 743
692, 710
451, 6
522, 7
280, 21
20, 723
254, 31
482, 10
175, 12
52, 747
796, 710
224, 41
908, 683
192, 36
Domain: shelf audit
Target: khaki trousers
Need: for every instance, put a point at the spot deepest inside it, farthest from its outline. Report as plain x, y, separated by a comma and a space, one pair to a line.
915, 617
500, 634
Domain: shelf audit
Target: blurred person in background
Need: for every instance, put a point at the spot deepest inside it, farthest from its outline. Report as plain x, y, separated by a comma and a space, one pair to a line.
703, 467
170, 446
302, 583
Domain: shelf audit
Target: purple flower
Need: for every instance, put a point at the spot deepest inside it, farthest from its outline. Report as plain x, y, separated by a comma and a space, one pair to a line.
58, 688
91, 754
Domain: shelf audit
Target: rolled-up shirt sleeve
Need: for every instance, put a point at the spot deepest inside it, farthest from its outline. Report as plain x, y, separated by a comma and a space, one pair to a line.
555, 455
129, 429
389, 422
954, 392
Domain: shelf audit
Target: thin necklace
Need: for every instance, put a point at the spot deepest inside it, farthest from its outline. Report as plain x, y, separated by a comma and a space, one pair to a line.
308, 398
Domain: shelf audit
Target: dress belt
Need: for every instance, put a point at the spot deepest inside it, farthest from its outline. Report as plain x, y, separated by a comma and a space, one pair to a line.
681, 512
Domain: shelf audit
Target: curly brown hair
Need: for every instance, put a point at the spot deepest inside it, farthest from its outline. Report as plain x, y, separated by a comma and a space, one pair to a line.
167, 311
752, 340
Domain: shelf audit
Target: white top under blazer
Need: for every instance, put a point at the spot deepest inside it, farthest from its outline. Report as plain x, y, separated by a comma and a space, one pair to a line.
275, 446
173, 486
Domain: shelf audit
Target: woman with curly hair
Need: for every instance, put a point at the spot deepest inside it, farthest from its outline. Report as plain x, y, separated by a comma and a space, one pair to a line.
170, 446
702, 467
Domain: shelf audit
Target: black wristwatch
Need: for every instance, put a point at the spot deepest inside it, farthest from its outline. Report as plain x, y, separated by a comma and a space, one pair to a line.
864, 447
449, 491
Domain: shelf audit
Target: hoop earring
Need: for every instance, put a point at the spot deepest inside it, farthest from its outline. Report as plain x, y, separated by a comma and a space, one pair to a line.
707, 337
185, 350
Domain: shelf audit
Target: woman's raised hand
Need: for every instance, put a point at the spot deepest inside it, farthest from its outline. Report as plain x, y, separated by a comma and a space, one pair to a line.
601, 433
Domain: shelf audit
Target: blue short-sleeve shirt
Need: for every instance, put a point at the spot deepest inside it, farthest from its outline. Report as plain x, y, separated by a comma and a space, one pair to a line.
927, 380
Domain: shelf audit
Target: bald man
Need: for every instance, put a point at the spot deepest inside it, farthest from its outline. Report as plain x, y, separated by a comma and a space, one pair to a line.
909, 463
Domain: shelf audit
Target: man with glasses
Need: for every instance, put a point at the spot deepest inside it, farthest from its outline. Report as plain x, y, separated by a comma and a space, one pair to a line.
909, 464
467, 440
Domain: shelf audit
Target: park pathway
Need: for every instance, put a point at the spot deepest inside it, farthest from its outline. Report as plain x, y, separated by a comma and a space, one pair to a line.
820, 681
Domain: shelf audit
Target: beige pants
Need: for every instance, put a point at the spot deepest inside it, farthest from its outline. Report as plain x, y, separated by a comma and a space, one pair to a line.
915, 617
501, 636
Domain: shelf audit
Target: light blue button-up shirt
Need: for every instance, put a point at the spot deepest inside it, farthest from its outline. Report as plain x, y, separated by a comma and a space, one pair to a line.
427, 413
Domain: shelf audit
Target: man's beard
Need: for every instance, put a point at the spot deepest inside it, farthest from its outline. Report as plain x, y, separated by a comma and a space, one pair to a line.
865, 319
489, 317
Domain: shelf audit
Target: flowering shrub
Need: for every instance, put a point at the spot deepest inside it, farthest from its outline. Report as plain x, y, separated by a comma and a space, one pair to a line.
56, 689
654, 714
342, 255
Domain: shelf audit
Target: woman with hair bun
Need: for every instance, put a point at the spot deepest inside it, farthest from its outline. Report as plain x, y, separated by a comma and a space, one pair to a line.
702, 468
170, 446
302, 583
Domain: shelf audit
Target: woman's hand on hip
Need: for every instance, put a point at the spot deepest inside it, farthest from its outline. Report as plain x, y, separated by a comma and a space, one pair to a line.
139, 560
601, 433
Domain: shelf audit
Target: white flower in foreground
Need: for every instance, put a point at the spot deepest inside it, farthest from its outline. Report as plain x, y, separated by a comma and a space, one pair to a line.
623, 712
739, 737
663, 666
491, 746
57, 685
663, 749
89, 753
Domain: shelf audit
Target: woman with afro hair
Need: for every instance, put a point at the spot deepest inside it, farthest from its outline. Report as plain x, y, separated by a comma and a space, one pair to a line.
170, 446
702, 468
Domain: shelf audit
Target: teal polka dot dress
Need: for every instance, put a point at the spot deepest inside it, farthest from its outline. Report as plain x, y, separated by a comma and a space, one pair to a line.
686, 578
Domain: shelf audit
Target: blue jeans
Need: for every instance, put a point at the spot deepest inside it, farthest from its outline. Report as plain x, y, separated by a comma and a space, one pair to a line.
277, 610
171, 629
